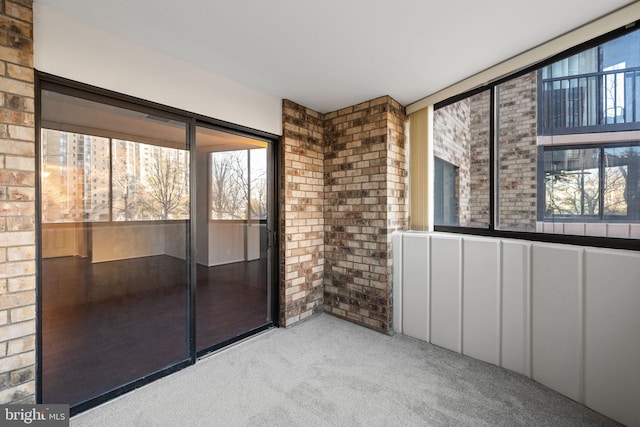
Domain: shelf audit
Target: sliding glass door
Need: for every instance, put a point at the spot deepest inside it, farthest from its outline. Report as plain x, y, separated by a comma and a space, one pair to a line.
233, 202
130, 288
115, 198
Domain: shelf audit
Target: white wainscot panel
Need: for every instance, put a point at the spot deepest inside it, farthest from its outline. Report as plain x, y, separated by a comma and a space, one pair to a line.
515, 306
481, 293
557, 330
415, 295
612, 319
445, 291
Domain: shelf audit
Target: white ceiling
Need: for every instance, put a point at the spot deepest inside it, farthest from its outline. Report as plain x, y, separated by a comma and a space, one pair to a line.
330, 54
71, 114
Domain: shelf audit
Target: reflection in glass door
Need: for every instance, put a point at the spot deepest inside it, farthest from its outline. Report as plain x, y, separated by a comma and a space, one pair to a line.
232, 219
114, 223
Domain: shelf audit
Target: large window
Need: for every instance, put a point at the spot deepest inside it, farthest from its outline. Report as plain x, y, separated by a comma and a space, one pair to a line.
552, 149
592, 184
149, 182
594, 90
75, 177
91, 178
461, 149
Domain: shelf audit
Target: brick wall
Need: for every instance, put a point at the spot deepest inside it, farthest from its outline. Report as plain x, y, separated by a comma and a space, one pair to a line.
451, 143
365, 178
461, 137
517, 132
479, 152
301, 213
17, 206
343, 193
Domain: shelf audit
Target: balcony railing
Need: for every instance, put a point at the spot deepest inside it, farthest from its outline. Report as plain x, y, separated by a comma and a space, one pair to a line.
593, 102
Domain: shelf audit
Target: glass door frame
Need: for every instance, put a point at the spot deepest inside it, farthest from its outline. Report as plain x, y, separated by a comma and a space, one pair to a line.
44, 81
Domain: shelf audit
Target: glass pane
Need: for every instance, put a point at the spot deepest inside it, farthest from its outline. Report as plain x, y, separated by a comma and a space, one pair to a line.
149, 182
622, 183
229, 184
517, 154
232, 206
572, 183
587, 180
75, 177
445, 193
622, 51
258, 193
114, 270
461, 139
580, 63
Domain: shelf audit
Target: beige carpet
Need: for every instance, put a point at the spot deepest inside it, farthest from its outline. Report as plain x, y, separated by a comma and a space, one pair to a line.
329, 372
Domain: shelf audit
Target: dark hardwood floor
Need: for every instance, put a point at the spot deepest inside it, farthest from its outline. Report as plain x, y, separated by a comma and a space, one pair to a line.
107, 324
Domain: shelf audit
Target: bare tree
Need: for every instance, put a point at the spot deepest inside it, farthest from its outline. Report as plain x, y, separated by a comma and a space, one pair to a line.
229, 185
124, 203
579, 192
623, 179
258, 202
166, 189
572, 193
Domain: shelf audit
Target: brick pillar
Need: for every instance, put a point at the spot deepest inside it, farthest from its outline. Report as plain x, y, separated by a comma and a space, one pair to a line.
17, 204
301, 213
343, 194
365, 201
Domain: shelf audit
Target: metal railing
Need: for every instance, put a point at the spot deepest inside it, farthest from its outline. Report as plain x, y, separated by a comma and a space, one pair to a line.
593, 102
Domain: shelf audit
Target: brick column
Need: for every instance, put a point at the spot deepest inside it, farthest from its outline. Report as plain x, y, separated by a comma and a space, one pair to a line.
301, 213
365, 201
17, 204
343, 194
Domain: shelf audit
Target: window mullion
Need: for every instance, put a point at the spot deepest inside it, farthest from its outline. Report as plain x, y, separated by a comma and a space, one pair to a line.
602, 177
493, 184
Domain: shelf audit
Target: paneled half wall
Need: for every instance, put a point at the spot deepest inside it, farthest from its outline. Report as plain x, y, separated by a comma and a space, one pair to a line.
566, 316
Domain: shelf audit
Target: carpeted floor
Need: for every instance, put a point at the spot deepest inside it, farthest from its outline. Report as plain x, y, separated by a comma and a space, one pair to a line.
329, 372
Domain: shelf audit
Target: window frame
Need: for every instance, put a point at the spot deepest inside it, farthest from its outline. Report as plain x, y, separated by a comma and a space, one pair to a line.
601, 215
492, 231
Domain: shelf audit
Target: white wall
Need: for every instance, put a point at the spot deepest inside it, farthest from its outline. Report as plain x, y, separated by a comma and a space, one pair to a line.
63, 239
175, 238
69, 48
112, 242
226, 242
566, 316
